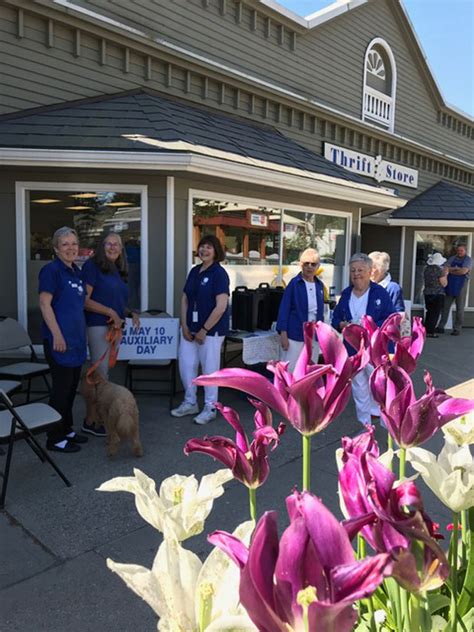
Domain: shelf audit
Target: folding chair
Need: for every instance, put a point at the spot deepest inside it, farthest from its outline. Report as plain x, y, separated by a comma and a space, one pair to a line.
166, 366
14, 337
21, 422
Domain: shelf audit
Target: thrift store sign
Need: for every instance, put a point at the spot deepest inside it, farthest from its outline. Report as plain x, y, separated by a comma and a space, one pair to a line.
377, 168
155, 339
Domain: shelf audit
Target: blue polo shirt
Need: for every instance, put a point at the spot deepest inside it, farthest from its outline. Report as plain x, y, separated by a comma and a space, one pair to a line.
69, 293
201, 289
109, 289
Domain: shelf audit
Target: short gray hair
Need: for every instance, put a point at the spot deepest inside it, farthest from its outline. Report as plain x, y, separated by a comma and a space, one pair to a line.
61, 232
381, 260
361, 256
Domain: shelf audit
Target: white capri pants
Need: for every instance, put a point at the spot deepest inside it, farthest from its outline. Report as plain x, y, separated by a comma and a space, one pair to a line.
363, 400
190, 356
97, 345
294, 349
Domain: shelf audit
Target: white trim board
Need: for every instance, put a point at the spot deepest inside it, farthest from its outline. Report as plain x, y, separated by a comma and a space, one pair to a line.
21, 253
432, 223
272, 175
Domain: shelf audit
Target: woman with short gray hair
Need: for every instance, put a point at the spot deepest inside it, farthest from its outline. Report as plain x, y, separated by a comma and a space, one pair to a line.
362, 297
61, 298
381, 275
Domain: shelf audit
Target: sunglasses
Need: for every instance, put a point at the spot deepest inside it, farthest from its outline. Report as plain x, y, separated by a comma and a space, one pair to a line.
310, 263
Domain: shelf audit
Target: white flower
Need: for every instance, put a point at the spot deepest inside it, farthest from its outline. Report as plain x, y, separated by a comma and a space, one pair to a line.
186, 594
450, 476
182, 506
462, 429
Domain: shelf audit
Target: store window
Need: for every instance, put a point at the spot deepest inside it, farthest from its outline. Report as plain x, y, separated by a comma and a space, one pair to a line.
91, 213
379, 84
425, 245
262, 243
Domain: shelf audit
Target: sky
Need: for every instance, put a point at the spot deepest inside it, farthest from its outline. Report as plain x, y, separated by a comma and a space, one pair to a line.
445, 29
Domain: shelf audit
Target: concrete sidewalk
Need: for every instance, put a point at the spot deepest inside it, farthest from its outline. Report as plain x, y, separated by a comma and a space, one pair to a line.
54, 540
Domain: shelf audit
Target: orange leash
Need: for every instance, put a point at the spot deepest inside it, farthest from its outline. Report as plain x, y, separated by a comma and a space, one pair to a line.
113, 337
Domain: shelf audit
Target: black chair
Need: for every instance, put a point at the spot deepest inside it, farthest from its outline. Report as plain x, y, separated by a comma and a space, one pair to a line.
15, 339
156, 371
23, 422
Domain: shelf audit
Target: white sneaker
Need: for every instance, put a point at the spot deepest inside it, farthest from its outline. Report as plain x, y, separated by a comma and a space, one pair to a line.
184, 409
206, 415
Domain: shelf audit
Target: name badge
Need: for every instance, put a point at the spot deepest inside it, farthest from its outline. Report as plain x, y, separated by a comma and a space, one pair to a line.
195, 317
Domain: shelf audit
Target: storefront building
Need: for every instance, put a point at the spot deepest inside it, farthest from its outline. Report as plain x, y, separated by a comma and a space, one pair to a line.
166, 121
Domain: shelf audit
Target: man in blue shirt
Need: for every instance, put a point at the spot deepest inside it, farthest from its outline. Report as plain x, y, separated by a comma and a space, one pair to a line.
459, 267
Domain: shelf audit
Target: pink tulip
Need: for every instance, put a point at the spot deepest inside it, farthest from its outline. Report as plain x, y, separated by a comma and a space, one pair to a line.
409, 420
386, 344
392, 519
313, 395
312, 569
248, 461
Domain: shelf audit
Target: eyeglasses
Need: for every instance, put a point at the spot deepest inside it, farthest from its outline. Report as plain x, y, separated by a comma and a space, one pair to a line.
310, 263
111, 244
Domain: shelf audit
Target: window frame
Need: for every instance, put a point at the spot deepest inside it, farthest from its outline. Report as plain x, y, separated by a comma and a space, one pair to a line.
379, 41
252, 201
21, 189
433, 231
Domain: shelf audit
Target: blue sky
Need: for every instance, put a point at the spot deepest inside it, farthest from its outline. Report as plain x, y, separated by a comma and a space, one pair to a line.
445, 29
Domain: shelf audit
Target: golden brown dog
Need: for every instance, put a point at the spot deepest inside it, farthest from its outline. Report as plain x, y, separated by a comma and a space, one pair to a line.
115, 407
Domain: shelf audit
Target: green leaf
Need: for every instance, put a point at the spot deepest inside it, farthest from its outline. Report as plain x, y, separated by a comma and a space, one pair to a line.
436, 601
466, 597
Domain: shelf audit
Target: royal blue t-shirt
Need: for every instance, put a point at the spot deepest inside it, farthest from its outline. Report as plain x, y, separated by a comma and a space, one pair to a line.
69, 293
201, 288
109, 290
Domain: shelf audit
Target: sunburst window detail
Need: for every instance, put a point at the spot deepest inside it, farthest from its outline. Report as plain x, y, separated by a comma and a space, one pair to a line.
378, 105
375, 64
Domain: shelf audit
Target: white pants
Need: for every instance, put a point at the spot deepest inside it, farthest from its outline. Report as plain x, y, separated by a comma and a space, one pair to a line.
294, 349
363, 400
191, 355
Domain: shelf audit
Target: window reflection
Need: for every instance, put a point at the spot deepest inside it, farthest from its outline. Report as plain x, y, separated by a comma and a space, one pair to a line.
253, 235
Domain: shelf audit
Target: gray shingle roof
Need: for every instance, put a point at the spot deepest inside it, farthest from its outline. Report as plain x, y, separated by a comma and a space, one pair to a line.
441, 201
99, 124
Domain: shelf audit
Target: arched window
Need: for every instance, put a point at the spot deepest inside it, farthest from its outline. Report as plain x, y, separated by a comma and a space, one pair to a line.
380, 79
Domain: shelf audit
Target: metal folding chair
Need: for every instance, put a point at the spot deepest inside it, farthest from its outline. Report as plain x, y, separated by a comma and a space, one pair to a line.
14, 338
22, 422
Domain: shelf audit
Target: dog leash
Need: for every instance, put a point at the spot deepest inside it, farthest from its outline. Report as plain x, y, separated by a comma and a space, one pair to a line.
113, 337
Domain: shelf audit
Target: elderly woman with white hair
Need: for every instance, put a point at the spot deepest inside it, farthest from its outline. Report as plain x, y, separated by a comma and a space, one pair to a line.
362, 297
302, 301
381, 275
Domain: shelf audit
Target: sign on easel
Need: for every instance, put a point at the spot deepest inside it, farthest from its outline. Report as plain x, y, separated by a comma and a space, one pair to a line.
155, 339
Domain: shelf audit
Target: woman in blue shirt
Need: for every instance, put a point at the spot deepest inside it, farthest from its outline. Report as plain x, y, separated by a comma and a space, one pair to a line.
61, 299
302, 301
204, 325
381, 275
105, 279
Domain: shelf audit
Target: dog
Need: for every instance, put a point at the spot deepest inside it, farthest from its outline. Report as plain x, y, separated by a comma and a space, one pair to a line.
115, 407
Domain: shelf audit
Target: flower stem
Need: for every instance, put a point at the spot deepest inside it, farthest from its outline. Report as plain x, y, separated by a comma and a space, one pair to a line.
306, 462
253, 503
454, 573
390, 447
403, 460
464, 537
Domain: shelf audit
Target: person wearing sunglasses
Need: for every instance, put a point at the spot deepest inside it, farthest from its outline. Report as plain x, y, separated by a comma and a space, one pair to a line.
302, 301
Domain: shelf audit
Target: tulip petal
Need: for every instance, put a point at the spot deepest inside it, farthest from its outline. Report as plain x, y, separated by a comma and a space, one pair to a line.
330, 539
359, 579
248, 382
232, 417
231, 545
332, 617
305, 357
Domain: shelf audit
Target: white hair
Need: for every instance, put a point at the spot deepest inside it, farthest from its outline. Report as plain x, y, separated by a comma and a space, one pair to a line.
381, 260
62, 232
361, 256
